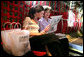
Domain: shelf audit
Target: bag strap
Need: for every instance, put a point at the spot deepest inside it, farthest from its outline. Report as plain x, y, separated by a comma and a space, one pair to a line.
7, 23
16, 23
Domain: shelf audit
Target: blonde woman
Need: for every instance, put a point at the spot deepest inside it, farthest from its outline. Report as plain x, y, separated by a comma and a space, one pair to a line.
45, 20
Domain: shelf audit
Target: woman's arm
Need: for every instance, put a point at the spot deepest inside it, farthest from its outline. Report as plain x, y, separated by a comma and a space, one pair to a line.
46, 29
25, 26
25, 22
42, 32
32, 33
41, 26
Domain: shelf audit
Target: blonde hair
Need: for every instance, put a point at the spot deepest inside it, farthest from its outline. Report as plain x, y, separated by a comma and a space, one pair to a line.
45, 7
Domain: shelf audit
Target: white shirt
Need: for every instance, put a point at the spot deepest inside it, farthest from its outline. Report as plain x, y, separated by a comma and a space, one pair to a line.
43, 23
71, 18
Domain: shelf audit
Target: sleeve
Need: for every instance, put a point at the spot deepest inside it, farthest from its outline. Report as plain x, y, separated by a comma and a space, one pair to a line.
26, 22
41, 27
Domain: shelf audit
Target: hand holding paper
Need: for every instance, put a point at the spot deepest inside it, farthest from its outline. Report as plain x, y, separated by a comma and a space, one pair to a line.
47, 28
54, 22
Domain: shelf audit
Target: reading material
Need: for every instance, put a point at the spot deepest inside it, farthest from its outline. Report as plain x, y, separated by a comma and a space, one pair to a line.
54, 22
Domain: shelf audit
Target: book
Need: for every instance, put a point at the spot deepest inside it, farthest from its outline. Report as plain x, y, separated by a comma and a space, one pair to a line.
78, 41
77, 45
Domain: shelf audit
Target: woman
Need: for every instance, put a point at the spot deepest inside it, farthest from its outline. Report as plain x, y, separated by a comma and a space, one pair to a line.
40, 40
30, 23
43, 22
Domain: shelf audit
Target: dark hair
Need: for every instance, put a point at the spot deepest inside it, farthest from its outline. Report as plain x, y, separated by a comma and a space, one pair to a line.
35, 9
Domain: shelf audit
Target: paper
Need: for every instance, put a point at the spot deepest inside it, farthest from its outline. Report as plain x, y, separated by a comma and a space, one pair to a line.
54, 22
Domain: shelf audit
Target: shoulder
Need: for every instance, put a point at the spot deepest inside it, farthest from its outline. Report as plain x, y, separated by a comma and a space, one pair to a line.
27, 18
40, 20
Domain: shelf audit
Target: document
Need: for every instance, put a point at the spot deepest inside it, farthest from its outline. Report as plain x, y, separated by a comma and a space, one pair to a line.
54, 22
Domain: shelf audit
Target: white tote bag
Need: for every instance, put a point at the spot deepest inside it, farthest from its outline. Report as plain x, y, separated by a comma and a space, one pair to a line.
16, 41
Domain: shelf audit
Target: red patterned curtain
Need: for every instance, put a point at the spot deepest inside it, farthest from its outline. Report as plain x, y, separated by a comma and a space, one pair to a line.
16, 11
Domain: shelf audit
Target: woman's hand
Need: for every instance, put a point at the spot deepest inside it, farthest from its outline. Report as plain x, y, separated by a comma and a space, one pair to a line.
47, 28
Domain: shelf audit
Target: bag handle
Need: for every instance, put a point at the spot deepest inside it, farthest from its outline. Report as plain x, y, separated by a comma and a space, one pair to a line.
19, 24
16, 24
12, 24
7, 23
